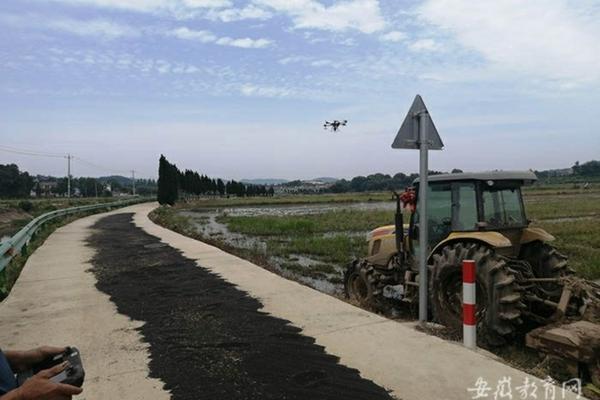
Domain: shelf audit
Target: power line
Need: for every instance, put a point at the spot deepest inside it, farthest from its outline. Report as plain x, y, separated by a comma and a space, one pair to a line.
35, 153
99, 166
14, 150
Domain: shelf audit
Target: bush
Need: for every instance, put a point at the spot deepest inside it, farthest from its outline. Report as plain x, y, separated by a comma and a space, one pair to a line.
26, 205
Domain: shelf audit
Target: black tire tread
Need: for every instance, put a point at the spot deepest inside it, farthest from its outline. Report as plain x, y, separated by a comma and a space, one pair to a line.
503, 295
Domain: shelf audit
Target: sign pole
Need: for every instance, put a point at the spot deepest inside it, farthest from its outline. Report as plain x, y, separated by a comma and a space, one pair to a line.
419, 133
423, 225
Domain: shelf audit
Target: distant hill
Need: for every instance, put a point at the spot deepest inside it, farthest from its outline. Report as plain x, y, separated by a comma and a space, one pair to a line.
266, 181
326, 179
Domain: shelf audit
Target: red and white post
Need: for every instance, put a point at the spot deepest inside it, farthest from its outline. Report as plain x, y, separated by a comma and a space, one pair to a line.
469, 304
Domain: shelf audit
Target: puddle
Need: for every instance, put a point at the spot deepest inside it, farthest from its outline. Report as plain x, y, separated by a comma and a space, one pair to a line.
301, 209
309, 270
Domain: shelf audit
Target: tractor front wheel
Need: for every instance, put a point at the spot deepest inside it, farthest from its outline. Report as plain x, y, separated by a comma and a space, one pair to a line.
358, 283
498, 295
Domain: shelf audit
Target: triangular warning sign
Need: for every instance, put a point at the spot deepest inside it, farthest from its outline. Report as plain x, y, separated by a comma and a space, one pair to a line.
408, 135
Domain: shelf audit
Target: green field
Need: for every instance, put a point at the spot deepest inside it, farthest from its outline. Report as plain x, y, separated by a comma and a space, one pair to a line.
335, 237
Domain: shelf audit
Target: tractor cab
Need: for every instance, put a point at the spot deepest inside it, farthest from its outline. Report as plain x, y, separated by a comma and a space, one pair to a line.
484, 207
472, 203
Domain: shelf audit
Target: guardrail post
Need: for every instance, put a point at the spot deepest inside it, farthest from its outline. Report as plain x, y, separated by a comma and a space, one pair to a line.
469, 304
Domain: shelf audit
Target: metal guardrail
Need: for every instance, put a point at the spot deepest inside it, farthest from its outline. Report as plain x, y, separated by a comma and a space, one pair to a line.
12, 246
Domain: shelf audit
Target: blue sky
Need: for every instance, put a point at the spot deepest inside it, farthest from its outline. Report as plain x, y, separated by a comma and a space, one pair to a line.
240, 89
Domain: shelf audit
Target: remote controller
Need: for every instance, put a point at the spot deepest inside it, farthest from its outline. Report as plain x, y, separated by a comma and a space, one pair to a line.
72, 375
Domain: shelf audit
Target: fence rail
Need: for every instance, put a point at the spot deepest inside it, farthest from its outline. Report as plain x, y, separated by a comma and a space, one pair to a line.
12, 246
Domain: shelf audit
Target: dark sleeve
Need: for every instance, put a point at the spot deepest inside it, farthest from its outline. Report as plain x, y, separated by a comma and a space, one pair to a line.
7, 377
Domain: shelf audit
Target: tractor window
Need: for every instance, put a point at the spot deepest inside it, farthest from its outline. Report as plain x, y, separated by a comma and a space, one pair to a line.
464, 207
502, 207
440, 212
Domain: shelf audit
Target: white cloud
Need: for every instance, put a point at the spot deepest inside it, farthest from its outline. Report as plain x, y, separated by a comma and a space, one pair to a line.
207, 3
163, 67
103, 28
292, 60
239, 14
95, 27
424, 45
246, 43
216, 10
546, 39
264, 91
363, 15
188, 34
393, 36
321, 63
151, 5
208, 37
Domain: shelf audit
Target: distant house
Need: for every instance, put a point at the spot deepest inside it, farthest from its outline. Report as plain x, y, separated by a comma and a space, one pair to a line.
303, 187
48, 188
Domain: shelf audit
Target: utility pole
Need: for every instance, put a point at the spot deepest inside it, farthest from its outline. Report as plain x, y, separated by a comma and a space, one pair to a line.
69, 175
133, 182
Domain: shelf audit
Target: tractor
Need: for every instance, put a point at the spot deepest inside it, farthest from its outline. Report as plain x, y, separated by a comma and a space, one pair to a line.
522, 281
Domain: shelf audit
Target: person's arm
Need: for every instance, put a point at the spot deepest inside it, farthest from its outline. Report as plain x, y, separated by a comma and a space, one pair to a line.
12, 395
23, 360
40, 387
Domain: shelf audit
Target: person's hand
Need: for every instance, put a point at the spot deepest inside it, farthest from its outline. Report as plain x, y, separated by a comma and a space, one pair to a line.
40, 387
23, 360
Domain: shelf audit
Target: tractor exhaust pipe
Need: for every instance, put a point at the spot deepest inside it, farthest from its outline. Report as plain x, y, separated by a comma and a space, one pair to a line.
399, 225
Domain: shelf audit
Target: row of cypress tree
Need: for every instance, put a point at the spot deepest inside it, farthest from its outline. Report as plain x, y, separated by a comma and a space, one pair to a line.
172, 183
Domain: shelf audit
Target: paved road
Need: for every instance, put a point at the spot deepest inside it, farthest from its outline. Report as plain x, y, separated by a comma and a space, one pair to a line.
56, 297
55, 302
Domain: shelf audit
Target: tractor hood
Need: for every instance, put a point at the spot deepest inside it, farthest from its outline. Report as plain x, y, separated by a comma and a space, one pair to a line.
382, 231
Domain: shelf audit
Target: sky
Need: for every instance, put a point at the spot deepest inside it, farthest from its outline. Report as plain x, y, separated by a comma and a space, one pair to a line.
241, 89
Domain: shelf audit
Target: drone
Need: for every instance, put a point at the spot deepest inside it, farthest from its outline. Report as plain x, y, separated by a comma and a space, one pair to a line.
335, 125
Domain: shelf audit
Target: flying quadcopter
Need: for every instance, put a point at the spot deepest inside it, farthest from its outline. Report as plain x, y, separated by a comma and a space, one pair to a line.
335, 125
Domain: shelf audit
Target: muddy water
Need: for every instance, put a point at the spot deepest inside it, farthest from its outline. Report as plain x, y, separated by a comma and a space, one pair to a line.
301, 267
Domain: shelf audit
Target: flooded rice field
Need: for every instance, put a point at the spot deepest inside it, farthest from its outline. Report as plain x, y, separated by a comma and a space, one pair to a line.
284, 253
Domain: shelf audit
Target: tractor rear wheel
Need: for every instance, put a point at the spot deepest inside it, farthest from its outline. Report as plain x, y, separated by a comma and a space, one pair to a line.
498, 294
546, 262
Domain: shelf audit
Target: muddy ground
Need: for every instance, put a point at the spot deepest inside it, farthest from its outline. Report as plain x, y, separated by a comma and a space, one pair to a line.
307, 269
207, 339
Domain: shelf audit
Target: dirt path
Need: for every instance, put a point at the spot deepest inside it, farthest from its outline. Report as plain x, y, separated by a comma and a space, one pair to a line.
208, 339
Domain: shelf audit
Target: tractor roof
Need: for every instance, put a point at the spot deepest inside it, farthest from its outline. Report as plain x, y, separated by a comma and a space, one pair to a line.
523, 176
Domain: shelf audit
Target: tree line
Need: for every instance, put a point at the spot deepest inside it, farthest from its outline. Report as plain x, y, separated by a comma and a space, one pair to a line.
14, 183
20, 184
174, 184
579, 172
590, 168
378, 182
